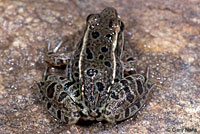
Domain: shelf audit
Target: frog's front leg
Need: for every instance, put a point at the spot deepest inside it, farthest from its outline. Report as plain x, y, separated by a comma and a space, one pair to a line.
60, 95
55, 59
127, 96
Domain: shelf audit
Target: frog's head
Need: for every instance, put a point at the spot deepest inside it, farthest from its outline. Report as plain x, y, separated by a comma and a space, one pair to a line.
105, 30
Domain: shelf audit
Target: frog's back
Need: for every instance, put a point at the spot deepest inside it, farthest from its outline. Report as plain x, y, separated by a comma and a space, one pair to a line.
99, 61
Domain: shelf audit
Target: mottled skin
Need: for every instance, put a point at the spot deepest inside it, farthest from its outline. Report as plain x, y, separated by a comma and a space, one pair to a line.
96, 86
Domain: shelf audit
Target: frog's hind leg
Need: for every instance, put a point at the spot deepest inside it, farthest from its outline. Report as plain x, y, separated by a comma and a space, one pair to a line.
127, 96
58, 98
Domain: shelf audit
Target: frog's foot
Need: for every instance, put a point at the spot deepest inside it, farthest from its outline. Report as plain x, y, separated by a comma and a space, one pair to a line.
55, 59
127, 96
58, 98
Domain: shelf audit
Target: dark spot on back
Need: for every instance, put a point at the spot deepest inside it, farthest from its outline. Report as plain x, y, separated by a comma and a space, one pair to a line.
59, 114
76, 64
109, 37
112, 94
126, 112
62, 96
107, 63
104, 49
130, 97
101, 57
76, 74
68, 84
48, 105
95, 35
127, 90
89, 53
140, 88
116, 80
51, 90
100, 86
92, 72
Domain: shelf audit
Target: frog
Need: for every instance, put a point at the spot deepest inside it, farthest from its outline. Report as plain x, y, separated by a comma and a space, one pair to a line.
96, 85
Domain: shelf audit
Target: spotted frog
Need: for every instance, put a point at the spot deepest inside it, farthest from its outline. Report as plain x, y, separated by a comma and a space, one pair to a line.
96, 84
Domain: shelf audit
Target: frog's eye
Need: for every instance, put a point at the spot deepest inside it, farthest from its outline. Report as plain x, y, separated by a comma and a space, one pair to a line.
89, 17
93, 19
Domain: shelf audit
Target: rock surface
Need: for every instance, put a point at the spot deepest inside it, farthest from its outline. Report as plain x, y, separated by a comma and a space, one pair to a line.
164, 35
